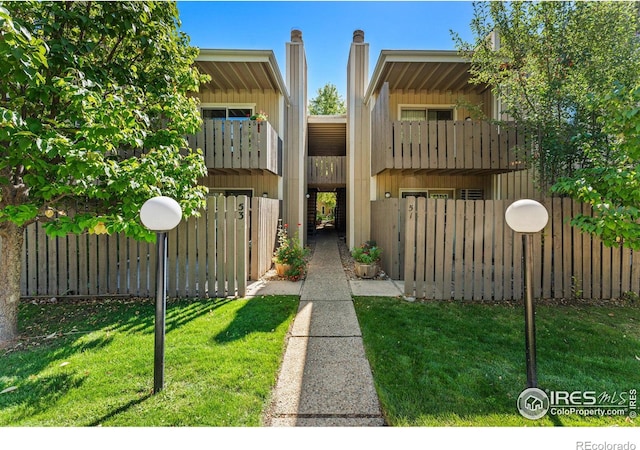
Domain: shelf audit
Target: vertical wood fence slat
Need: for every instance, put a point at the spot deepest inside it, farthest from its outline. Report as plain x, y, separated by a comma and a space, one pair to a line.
241, 245
220, 281
459, 249
487, 263
412, 252
498, 252
201, 223
469, 233
230, 248
429, 230
588, 260
478, 249
212, 231
449, 236
567, 246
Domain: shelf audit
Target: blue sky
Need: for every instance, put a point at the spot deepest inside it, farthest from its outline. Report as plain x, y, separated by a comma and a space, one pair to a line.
327, 29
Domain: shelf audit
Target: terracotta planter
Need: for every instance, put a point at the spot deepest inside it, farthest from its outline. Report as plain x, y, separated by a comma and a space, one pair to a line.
366, 270
281, 269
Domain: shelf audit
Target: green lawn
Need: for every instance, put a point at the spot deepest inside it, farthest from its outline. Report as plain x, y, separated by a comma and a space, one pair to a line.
463, 364
89, 364
434, 364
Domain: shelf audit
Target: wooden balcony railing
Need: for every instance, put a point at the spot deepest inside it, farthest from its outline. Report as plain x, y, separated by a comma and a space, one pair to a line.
327, 170
452, 146
239, 146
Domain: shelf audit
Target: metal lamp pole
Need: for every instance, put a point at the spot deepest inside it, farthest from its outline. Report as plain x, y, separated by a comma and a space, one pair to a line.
529, 313
160, 214
528, 217
161, 308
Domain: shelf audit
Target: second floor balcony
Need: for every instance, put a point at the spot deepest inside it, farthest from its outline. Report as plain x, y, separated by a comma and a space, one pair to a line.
447, 146
327, 171
239, 146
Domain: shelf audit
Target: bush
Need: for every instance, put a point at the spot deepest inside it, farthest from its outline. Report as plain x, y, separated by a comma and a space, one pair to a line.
367, 253
291, 253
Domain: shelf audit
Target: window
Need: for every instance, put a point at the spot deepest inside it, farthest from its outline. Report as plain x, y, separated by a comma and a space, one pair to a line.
417, 113
231, 192
447, 193
404, 193
440, 114
226, 113
471, 194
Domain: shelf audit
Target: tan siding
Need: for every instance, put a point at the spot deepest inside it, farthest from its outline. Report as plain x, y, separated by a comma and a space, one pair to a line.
267, 101
393, 182
433, 97
358, 147
295, 143
259, 183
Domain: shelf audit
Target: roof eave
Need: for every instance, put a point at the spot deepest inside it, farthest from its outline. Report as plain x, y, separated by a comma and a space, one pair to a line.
260, 56
390, 56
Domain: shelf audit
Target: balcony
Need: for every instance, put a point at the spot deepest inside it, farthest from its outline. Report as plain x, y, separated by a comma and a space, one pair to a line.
327, 171
239, 147
448, 147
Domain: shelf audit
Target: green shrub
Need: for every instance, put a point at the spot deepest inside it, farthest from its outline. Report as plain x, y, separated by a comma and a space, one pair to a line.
367, 253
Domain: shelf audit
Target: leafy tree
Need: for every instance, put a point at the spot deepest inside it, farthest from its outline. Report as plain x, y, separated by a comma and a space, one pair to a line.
610, 183
94, 109
551, 60
328, 199
327, 102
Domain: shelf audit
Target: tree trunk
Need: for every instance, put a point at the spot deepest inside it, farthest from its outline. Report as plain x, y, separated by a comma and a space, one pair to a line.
11, 239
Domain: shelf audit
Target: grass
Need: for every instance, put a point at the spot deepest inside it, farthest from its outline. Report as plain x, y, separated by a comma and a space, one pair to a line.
463, 364
434, 364
90, 364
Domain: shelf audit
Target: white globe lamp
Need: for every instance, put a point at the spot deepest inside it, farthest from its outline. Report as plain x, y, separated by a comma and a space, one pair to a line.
161, 213
526, 216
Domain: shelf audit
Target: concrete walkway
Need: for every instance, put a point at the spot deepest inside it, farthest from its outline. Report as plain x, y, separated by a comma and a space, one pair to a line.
325, 378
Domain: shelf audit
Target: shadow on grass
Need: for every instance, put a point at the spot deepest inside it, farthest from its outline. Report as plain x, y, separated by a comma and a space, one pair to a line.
119, 410
53, 333
36, 395
258, 315
464, 364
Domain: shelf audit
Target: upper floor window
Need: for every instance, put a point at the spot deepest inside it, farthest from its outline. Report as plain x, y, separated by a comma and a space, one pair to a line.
418, 113
226, 113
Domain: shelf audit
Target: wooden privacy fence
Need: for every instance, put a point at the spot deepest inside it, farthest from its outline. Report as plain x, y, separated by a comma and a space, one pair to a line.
264, 230
208, 256
459, 249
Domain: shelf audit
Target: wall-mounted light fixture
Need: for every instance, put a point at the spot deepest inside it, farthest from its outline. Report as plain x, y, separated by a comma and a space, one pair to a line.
265, 194
387, 194
308, 195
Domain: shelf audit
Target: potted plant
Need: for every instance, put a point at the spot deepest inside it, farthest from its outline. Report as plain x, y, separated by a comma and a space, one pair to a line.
289, 256
367, 258
259, 117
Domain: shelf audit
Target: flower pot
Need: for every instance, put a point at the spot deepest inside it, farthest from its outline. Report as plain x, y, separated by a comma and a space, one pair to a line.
366, 270
281, 269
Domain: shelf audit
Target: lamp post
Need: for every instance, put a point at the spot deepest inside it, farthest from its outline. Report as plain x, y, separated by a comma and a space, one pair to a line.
160, 214
528, 217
